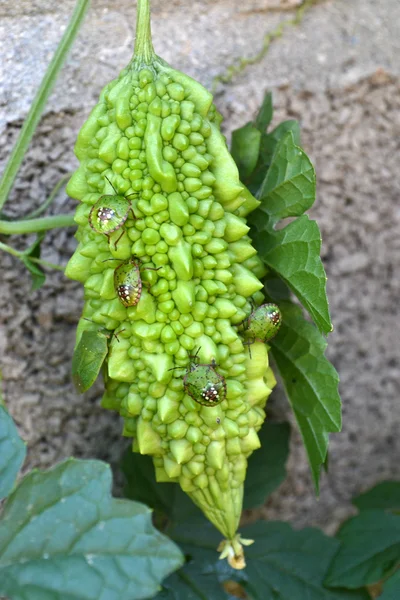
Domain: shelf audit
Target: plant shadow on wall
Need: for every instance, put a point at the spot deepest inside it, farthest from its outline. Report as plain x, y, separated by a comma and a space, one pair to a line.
63, 535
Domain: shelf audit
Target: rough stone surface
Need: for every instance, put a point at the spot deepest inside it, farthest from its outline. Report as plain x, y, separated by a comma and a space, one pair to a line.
337, 73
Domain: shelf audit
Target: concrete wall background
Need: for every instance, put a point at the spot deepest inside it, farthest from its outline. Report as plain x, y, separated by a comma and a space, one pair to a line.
338, 73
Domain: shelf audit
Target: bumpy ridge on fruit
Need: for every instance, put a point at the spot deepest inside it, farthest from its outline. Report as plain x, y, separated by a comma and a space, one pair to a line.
155, 133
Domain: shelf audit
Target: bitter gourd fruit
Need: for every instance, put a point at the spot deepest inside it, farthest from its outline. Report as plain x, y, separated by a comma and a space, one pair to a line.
154, 138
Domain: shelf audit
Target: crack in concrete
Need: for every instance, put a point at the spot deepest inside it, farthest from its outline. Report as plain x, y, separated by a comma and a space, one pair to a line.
241, 65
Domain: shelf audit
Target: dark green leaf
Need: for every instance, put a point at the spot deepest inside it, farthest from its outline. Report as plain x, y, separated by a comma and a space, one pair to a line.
310, 381
288, 189
199, 541
293, 253
281, 564
193, 582
267, 148
384, 496
63, 536
141, 485
266, 469
12, 452
270, 141
245, 149
276, 289
391, 591
197, 580
290, 565
38, 276
369, 550
265, 113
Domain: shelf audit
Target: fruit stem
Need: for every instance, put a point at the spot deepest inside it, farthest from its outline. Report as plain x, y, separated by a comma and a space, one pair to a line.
144, 51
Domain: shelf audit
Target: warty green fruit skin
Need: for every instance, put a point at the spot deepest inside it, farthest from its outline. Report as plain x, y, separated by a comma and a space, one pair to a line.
155, 133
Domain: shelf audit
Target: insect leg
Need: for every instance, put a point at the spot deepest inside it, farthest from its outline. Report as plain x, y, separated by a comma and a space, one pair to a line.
116, 334
248, 344
115, 243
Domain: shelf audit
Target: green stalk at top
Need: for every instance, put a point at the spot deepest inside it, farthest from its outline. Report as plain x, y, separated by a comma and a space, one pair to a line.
144, 51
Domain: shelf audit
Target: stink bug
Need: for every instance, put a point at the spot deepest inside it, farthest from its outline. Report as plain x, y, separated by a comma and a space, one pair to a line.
263, 323
89, 356
128, 282
203, 383
110, 212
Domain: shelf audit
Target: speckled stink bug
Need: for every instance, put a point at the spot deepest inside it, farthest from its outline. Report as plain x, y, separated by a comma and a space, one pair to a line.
263, 323
89, 356
110, 212
128, 282
203, 383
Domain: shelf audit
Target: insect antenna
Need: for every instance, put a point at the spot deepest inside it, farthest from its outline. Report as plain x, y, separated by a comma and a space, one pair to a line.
195, 356
90, 321
151, 268
111, 185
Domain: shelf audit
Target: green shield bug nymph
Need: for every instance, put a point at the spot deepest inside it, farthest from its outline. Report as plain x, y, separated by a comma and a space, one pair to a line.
89, 356
128, 282
263, 323
203, 383
110, 212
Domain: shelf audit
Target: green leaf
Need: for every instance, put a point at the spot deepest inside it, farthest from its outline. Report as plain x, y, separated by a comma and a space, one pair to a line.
265, 113
293, 253
276, 288
63, 536
266, 469
12, 452
391, 591
245, 148
310, 381
282, 563
288, 189
193, 582
141, 485
270, 141
198, 579
290, 565
38, 276
369, 550
267, 148
384, 496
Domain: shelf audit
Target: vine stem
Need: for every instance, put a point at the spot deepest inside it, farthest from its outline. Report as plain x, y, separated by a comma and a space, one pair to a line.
38, 211
39, 102
36, 225
144, 51
39, 261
